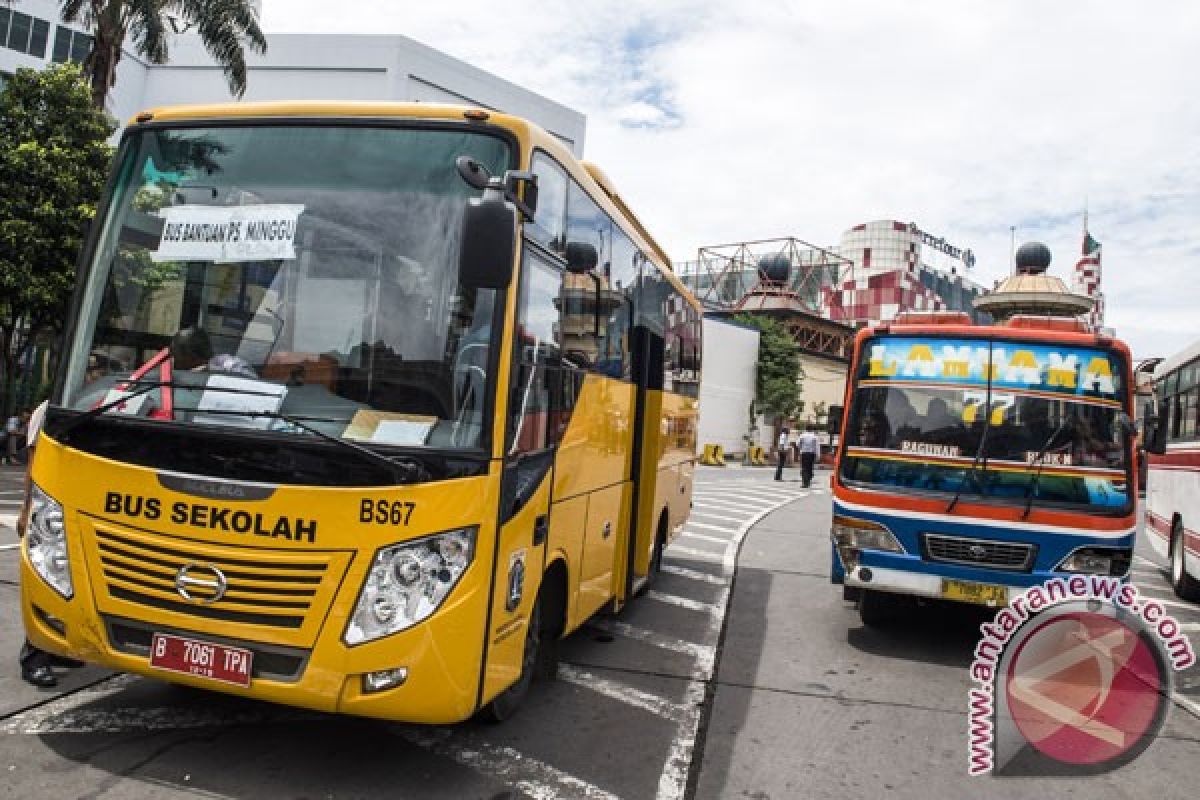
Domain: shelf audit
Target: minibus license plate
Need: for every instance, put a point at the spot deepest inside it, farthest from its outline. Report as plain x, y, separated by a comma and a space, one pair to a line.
205, 659
967, 592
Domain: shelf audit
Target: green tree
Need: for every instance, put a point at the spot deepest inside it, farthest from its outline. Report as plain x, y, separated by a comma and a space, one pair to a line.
53, 160
777, 390
226, 27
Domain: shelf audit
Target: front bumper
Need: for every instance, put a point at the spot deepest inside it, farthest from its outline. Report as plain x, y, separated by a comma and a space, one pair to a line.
442, 655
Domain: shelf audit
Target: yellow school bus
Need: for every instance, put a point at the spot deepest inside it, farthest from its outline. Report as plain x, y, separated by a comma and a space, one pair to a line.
363, 407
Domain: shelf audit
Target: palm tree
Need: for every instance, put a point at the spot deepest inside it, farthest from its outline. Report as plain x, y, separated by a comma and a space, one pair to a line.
227, 28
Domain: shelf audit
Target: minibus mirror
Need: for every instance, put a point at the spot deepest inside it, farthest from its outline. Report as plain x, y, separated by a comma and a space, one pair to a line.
489, 236
1156, 428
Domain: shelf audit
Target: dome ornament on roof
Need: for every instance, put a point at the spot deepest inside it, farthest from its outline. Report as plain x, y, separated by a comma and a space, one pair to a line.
1033, 258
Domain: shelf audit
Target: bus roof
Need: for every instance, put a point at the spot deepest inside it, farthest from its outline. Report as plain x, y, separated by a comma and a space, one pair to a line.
1177, 360
1082, 339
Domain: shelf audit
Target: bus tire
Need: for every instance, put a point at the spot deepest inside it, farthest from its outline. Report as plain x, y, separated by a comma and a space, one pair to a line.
505, 704
1187, 587
881, 609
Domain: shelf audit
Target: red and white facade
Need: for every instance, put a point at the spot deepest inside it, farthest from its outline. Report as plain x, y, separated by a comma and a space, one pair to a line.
1087, 283
893, 273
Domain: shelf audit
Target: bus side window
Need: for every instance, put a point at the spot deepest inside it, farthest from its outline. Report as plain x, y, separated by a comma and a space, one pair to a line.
536, 388
549, 226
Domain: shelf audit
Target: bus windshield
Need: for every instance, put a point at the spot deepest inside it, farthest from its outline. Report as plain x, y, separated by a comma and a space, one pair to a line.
265, 273
1045, 429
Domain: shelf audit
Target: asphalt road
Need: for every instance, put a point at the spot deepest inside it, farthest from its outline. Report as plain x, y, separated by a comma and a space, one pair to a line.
756, 684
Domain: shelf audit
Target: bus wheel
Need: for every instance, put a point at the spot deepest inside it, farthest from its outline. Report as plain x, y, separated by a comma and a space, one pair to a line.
532, 662
656, 557
1187, 587
882, 609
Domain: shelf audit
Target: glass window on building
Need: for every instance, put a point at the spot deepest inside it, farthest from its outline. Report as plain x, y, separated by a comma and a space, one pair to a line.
18, 32
5, 21
81, 46
37, 40
62, 45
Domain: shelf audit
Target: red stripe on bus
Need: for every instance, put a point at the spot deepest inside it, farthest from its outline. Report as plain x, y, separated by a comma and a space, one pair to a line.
1176, 459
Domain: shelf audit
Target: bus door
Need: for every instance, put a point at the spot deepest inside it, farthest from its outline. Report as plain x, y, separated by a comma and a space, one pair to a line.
649, 356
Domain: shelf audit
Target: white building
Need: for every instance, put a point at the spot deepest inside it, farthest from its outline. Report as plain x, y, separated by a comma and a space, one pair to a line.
727, 383
295, 67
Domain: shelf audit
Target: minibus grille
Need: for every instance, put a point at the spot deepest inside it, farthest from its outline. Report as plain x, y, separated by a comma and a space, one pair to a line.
261, 587
1016, 556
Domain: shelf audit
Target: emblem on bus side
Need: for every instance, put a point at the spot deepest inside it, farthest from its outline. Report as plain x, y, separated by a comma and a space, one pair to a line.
200, 583
516, 580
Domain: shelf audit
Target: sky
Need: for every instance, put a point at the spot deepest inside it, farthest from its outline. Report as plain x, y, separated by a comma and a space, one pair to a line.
723, 122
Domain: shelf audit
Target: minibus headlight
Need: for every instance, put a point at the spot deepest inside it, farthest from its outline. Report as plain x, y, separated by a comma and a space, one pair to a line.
852, 536
1098, 561
408, 582
46, 542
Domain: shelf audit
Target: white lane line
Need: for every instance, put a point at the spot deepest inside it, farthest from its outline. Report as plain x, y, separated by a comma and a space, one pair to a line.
704, 537
764, 494
659, 706
673, 783
1146, 561
694, 575
724, 506
710, 515
1151, 590
9, 520
703, 654
1190, 627
707, 527
693, 554
716, 609
512, 767
1178, 604
1189, 705
757, 503
4, 547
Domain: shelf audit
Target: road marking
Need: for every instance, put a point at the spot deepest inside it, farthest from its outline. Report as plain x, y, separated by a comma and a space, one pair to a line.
702, 653
1177, 604
707, 527
1141, 560
1189, 705
710, 515
673, 783
512, 767
9, 520
694, 575
764, 494
723, 506
4, 547
1190, 627
716, 609
1145, 589
759, 501
659, 706
704, 537
676, 550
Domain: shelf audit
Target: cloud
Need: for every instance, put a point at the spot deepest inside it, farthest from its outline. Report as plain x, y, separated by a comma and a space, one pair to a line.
724, 122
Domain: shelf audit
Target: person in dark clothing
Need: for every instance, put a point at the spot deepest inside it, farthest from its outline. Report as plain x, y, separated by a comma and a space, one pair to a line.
782, 453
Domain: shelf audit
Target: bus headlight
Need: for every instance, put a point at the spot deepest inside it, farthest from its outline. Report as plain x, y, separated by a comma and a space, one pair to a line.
408, 582
46, 542
1098, 561
852, 536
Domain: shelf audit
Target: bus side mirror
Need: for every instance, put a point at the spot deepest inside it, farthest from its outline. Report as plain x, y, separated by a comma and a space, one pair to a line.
1156, 428
489, 237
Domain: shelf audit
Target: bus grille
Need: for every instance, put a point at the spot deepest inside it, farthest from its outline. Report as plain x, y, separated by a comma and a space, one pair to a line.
1016, 556
260, 590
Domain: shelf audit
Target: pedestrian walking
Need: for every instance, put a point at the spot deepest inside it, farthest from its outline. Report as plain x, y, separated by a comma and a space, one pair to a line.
781, 448
810, 448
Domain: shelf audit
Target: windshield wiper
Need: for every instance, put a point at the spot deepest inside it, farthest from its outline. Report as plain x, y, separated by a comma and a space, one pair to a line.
1040, 461
983, 437
402, 470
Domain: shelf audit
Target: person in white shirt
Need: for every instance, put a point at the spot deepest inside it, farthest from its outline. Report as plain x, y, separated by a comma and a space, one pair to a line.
12, 438
810, 448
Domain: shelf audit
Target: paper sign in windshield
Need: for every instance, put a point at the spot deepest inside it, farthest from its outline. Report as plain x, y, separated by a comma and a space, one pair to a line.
226, 234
